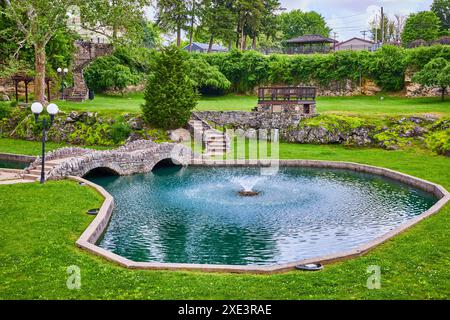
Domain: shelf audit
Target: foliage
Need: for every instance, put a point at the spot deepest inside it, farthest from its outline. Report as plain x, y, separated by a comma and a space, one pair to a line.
297, 23
387, 67
107, 72
424, 25
172, 16
119, 132
207, 78
5, 111
435, 73
168, 104
439, 142
442, 9
124, 18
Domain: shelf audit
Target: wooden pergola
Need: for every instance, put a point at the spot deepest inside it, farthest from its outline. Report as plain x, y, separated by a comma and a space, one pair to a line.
27, 79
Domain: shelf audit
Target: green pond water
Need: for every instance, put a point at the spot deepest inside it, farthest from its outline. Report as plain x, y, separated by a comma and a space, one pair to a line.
12, 164
195, 215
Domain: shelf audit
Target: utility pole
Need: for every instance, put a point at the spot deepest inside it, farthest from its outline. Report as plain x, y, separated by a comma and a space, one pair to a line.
376, 29
382, 25
364, 34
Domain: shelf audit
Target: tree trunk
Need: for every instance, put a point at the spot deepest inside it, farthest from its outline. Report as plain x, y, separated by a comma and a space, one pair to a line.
39, 67
443, 93
254, 43
211, 40
243, 41
191, 36
178, 36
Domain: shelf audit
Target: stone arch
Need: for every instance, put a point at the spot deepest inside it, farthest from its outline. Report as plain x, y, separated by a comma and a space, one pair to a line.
111, 168
178, 161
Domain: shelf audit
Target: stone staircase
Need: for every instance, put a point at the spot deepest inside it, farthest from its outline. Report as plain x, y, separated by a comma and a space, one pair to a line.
216, 143
34, 173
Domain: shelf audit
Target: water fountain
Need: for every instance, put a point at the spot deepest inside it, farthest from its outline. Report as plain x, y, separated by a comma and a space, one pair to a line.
248, 184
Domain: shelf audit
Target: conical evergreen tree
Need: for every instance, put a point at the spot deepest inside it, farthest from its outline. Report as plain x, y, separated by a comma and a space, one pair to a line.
170, 94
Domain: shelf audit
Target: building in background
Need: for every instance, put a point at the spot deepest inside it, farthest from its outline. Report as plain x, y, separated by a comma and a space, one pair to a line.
203, 48
356, 44
312, 43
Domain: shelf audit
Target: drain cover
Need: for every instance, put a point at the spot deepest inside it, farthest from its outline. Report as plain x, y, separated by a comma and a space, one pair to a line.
309, 267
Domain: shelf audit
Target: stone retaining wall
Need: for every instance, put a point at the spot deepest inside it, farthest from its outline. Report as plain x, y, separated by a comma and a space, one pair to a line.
255, 120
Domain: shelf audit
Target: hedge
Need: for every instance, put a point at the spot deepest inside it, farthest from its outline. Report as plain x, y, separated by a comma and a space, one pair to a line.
386, 67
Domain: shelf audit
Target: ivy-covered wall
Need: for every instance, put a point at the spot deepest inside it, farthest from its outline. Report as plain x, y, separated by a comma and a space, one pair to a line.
386, 67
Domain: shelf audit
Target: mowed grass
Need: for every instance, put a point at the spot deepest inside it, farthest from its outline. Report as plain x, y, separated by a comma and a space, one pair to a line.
37, 245
359, 105
33, 148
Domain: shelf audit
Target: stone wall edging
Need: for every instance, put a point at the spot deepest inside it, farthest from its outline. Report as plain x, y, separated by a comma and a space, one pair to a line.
90, 236
17, 157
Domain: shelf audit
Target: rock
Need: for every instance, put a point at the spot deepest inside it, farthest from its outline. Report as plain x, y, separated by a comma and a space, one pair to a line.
136, 123
251, 134
5, 97
180, 135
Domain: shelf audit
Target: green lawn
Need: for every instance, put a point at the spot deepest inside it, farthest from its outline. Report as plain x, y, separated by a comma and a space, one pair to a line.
32, 148
360, 105
40, 224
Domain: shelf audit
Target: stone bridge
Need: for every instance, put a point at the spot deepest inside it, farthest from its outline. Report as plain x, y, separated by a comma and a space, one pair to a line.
136, 157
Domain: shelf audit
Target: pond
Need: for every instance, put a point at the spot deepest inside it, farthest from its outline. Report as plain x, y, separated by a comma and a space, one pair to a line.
12, 164
196, 214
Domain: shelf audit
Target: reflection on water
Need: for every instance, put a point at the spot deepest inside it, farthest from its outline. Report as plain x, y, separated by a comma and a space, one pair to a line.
194, 215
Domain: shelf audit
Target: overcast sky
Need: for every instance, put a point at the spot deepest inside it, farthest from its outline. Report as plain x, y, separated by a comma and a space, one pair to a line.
349, 17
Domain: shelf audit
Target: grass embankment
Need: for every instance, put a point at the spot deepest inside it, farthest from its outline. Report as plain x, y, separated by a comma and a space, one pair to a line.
359, 105
32, 148
40, 223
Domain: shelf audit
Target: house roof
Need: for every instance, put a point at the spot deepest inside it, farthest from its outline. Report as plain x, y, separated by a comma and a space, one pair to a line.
205, 46
311, 38
355, 38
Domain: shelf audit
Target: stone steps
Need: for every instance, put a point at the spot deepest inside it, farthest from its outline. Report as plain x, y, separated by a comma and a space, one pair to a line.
216, 143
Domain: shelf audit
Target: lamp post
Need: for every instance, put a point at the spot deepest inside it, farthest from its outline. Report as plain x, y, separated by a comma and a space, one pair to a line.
62, 73
52, 110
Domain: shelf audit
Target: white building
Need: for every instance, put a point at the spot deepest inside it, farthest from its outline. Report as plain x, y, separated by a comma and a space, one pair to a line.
355, 44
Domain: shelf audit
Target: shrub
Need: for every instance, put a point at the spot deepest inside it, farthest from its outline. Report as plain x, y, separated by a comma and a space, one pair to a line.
439, 142
387, 68
5, 111
108, 73
207, 78
170, 94
119, 132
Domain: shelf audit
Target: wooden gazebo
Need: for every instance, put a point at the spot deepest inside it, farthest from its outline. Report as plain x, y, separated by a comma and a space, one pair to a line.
27, 79
312, 43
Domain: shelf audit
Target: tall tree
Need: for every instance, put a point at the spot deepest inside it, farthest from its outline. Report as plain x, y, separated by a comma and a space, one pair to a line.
442, 9
387, 27
249, 20
424, 25
218, 20
173, 16
38, 21
297, 23
271, 26
115, 19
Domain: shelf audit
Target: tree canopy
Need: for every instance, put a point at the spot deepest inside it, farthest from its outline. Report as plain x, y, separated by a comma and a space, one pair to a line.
435, 73
442, 9
424, 25
297, 23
